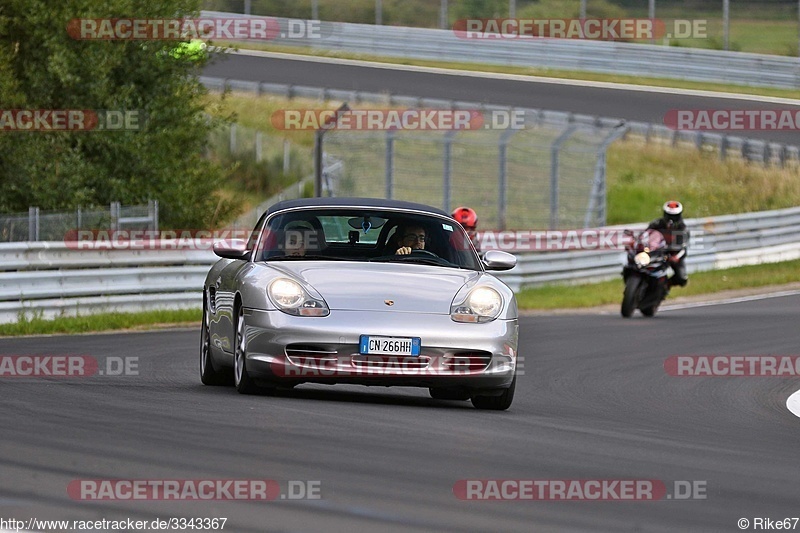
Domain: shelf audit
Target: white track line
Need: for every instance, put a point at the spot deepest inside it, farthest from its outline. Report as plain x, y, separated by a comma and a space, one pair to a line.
522, 78
793, 404
731, 300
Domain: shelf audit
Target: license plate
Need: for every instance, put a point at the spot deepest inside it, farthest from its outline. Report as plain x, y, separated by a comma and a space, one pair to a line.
370, 344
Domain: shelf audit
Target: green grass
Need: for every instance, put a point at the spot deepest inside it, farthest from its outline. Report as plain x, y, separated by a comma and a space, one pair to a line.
101, 322
610, 292
641, 176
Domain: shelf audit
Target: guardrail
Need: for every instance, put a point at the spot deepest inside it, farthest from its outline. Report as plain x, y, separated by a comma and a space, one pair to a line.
562, 54
755, 150
52, 279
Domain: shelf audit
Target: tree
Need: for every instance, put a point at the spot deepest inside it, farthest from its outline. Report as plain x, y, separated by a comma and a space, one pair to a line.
42, 67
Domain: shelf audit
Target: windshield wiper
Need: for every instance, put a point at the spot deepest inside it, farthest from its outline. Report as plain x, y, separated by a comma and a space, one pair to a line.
413, 259
307, 258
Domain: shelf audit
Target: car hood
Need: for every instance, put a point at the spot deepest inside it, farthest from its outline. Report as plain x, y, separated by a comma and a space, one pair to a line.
370, 286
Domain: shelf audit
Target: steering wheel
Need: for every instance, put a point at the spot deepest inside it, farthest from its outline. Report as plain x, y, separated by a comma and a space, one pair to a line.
423, 252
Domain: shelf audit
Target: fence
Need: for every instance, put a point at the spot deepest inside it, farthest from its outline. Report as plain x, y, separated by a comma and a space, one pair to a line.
640, 60
539, 176
726, 146
492, 170
52, 278
38, 225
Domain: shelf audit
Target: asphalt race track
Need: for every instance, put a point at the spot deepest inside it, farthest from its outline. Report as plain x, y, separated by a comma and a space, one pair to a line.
594, 403
626, 104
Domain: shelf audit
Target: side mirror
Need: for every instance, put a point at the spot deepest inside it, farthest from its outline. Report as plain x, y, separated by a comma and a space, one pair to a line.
233, 249
497, 260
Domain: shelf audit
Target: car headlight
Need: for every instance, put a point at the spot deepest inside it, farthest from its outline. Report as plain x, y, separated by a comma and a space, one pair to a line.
482, 304
290, 297
642, 259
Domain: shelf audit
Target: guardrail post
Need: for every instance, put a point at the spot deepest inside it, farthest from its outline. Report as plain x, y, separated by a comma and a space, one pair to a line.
318, 146
33, 223
258, 147
114, 210
152, 214
443, 15
554, 152
389, 164
287, 156
79, 218
232, 145
723, 147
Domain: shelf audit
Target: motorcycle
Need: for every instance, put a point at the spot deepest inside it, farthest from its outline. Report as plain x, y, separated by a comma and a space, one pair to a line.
646, 274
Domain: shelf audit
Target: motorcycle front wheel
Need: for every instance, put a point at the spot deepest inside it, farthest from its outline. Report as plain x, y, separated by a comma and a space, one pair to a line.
629, 296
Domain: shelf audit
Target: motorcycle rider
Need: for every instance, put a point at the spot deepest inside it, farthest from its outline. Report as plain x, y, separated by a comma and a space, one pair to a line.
468, 219
673, 228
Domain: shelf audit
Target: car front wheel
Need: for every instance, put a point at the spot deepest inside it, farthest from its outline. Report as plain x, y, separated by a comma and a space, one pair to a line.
496, 403
241, 379
209, 375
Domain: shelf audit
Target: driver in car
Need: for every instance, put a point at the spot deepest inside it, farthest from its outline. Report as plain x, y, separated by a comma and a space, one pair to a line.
410, 238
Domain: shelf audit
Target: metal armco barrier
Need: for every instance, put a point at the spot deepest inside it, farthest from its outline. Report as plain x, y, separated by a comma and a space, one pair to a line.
563, 54
52, 278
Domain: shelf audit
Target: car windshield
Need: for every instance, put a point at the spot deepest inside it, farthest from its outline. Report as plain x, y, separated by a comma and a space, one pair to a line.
366, 235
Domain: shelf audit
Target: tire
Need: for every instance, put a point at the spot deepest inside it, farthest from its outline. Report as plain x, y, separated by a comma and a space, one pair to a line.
209, 375
649, 311
241, 379
496, 403
629, 296
448, 394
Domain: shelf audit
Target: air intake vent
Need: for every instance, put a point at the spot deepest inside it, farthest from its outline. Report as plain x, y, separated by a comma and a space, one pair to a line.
298, 353
467, 361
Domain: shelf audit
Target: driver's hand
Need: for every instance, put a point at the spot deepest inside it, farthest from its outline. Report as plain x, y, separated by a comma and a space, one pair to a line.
403, 250
674, 259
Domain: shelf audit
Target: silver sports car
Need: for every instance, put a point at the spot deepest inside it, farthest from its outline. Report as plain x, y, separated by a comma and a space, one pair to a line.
360, 291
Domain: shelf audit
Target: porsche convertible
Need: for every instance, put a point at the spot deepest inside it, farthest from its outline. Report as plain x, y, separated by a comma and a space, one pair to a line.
360, 291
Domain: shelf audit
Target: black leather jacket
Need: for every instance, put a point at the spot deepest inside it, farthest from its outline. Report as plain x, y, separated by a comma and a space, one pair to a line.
677, 236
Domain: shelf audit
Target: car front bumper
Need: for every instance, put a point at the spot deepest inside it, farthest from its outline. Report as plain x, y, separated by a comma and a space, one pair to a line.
289, 349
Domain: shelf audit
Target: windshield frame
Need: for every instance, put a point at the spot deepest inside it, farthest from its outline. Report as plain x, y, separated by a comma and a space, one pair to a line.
431, 219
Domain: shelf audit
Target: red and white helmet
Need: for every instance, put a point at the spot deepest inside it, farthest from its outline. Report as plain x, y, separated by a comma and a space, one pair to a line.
466, 216
673, 210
